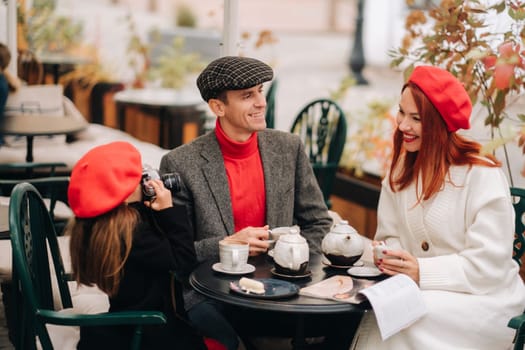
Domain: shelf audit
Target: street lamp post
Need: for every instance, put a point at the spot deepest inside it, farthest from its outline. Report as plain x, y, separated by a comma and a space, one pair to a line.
357, 57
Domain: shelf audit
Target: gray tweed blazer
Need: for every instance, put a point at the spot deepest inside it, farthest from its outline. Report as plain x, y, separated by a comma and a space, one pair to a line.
292, 193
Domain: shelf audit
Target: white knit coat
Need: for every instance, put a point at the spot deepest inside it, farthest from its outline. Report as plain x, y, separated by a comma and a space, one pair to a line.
468, 279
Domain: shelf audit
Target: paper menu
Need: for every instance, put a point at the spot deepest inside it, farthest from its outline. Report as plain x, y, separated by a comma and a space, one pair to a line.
339, 287
397, 303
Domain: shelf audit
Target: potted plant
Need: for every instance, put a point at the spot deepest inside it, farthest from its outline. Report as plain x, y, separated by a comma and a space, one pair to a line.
174, 66
42, 30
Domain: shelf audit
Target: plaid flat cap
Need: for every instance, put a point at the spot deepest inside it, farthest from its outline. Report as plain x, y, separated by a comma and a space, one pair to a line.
232, 73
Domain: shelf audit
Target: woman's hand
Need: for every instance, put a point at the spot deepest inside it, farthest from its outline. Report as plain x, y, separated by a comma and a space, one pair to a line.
162, 199
374, 245
398, 261
257, 238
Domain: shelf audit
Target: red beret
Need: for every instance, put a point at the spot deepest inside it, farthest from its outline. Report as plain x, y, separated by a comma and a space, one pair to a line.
446, 93
103, 178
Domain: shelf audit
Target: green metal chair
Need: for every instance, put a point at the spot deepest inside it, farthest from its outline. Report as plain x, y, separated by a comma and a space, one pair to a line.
321, 124
270, 104
34, 246
43, 175
518, 322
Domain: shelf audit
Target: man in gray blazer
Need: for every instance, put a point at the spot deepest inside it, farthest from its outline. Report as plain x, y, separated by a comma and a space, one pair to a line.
242, 179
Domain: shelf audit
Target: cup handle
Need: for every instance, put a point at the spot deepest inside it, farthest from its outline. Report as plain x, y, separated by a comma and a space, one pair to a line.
235, 258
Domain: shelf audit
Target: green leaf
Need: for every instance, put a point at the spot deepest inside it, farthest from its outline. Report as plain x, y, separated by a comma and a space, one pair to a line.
495, 143
396, 62
517, 15
407, 72
499, 7
499, 106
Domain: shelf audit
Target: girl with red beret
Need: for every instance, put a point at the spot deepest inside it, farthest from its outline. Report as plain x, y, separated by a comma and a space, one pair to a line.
128, 247
446, 215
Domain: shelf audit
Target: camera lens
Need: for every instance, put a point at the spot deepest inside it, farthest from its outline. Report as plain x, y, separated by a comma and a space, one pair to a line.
172, 182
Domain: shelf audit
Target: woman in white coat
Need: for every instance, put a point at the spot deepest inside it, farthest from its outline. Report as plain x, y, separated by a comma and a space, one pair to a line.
446, 215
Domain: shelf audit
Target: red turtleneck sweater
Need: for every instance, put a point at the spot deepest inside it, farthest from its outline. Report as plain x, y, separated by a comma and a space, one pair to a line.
245, 178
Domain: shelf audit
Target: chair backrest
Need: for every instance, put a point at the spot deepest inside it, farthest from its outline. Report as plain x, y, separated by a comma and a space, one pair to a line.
51, 187
321, 124
270, 104
32, 234
29, 169
518, 196
518, 201
34, 247
30, 69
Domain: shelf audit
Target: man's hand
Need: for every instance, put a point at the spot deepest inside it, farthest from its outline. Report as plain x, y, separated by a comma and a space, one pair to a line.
255, 236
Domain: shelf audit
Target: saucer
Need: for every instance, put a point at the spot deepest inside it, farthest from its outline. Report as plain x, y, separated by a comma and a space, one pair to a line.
364, 271
358, 263
248, 268
275, 273
270, 253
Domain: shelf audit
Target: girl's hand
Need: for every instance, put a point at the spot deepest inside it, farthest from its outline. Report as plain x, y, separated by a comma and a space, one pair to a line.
162, 199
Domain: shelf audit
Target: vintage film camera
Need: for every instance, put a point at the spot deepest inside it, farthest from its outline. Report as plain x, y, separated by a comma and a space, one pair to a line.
172, 181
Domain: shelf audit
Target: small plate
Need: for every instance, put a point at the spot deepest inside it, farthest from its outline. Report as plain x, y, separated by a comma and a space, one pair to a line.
273, 289
364, 271
270, 253
275, 273
247, 269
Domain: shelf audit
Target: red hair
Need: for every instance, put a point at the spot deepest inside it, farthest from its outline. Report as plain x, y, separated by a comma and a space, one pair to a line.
439, 150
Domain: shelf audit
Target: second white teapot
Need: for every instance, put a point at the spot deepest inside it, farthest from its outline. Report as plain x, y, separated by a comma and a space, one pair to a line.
343, 245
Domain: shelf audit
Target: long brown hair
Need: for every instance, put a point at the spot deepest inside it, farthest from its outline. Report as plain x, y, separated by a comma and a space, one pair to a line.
439, 150
100, 246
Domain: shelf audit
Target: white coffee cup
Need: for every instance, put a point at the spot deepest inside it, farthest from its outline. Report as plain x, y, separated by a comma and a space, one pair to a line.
233, 254
379, 249
275, 233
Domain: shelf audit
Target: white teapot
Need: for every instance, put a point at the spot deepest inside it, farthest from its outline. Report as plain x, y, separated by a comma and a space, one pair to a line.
343, 245
291, 254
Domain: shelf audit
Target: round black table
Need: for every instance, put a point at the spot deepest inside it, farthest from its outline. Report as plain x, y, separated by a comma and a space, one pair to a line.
216, 285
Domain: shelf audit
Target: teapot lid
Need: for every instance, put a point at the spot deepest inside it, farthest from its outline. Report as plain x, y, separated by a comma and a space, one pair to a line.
292, 238
343, 227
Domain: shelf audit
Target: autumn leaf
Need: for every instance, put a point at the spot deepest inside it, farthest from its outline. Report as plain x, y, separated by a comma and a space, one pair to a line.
503, 74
